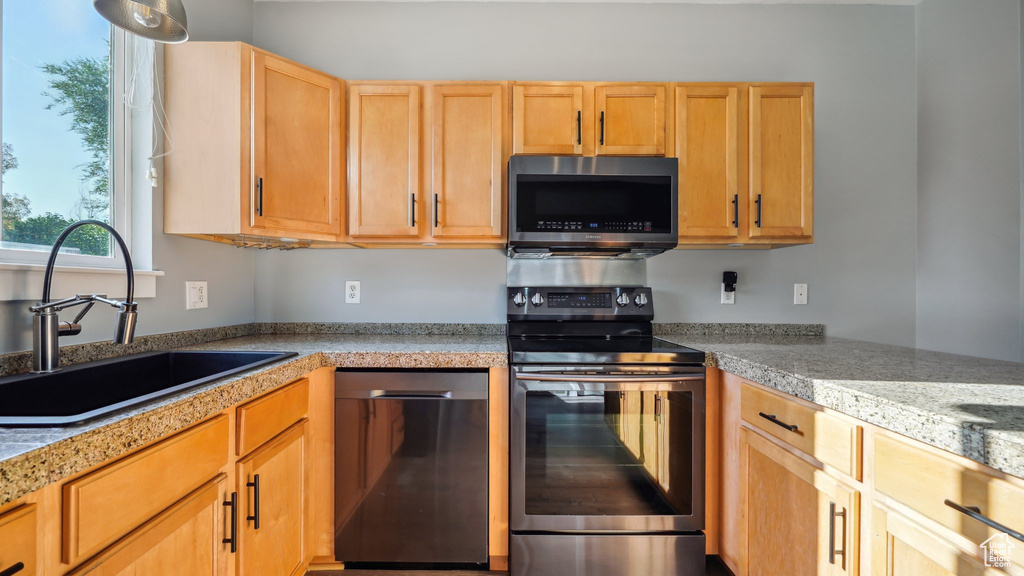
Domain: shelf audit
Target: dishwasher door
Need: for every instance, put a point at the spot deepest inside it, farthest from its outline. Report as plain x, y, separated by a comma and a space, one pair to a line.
410, 467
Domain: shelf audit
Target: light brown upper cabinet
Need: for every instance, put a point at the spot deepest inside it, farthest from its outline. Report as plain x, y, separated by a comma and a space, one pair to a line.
257, 146
427, 162
746, 163
589, 119
781, 161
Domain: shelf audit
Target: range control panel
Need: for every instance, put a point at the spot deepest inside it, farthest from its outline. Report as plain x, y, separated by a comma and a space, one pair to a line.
580, 303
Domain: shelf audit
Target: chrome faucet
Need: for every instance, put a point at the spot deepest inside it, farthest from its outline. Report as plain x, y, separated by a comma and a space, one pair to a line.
46, 328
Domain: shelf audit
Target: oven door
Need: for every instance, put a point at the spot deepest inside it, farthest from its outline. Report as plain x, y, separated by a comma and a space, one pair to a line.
599, 448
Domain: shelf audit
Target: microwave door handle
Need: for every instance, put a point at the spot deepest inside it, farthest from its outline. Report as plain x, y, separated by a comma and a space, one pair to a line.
607, 379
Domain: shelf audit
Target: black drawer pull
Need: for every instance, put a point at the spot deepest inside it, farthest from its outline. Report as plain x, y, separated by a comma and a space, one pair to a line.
602, 128
736, 210
975, 513
259, 187
233, 539
758, 202
579, 127
435, 211
771, 418
255, 517
13, 569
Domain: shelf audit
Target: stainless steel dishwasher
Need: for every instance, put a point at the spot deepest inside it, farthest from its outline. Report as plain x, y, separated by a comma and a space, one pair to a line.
410, 468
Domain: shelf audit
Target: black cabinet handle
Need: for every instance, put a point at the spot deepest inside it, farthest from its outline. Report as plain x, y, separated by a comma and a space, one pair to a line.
771, 418
233, 539
13, 569
832, 552
602, 128
736, 210
412, 209
255, 517
758, 202
259, 201
975, 513
579, 127
435, 210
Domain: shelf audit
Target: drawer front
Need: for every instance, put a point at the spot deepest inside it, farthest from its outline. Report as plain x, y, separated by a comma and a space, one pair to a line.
271, 414
18, 541
106, 504
924, 480
825, 437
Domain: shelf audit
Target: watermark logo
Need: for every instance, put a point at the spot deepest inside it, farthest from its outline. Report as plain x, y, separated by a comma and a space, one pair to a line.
997, 551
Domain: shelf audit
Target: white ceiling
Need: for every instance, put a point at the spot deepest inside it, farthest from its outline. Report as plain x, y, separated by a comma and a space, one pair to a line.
831, 2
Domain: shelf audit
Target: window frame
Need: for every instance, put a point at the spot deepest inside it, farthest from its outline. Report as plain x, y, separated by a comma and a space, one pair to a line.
122, 59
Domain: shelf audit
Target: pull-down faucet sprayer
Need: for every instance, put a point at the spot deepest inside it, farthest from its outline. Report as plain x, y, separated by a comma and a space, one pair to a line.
46, 328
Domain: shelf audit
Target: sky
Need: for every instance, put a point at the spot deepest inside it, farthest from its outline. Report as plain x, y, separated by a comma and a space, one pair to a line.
37, 32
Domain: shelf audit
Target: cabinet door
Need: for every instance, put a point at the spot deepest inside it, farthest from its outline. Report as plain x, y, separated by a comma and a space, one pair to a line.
630, 120
298, 141
547, 120
707, 137
271, 508
18, 541
187, 538
799, 519
384, 160
781, 161
900, 547
468, 160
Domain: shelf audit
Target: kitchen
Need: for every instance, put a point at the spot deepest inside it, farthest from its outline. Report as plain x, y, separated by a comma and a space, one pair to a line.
899, 253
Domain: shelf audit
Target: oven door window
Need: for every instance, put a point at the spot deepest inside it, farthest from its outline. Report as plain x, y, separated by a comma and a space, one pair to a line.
609, 453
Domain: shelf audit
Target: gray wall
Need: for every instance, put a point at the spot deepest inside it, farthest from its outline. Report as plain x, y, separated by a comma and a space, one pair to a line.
861, 269
229, 271
969, 199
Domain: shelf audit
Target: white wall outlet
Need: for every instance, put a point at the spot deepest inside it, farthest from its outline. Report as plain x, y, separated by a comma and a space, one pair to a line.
195, 295
351, 292
800, 294
728, 297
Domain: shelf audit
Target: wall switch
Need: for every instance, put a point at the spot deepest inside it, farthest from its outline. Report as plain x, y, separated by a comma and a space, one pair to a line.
728, 297
800, 294
351, 292
195, 295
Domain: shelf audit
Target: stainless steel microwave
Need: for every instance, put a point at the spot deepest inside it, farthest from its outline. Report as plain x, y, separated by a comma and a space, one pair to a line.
612, 207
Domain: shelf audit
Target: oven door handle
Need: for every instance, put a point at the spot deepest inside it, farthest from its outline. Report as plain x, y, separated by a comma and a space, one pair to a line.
527, 377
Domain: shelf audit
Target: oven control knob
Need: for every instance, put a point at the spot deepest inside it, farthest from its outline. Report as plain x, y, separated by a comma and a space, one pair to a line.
623, 299
640, 300
537, 299
519, 299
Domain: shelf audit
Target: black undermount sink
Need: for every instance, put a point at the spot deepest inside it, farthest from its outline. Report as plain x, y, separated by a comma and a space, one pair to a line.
85, 391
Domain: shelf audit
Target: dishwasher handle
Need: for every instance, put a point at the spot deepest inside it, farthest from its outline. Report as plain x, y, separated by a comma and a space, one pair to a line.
412, 395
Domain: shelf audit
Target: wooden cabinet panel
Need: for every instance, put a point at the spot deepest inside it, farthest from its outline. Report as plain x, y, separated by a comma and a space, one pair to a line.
18, 541
781, 161
630, 120
384, 160
793, 510
102, 506
187, 538
468, 160
828, 438
275, 547
901, 547
269, 415
298, 147
547, 119
707, 140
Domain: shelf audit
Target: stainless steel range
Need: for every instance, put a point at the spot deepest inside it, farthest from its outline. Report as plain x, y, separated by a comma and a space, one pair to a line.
607, 440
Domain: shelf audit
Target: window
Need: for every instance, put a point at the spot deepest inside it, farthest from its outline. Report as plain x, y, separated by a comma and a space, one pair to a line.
64, 131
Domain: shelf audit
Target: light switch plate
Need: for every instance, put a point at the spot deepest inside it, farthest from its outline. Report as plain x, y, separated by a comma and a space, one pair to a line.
351, 292
196, 295
800, 294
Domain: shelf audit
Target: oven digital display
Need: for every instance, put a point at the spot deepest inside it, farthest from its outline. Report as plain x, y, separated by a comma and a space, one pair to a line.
576, 300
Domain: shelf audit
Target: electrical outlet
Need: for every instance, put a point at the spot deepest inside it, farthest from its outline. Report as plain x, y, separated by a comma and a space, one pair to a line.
800, 294
195, 295
728, 297
351, 292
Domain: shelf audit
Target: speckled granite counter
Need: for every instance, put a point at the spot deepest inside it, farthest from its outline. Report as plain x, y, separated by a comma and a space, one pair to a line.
967, 405
31, 458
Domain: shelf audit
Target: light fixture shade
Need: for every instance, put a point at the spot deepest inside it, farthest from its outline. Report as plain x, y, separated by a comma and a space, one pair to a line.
159, 20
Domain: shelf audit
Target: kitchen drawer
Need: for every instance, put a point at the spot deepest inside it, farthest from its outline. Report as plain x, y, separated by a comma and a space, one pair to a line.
924, 478
18, 540
104, 505
270, 414
828, 438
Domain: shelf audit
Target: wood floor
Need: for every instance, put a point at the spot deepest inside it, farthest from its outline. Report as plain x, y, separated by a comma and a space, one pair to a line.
715, 567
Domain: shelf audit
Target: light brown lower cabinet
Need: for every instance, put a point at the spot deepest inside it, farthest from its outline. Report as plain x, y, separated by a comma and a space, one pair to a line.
18, 541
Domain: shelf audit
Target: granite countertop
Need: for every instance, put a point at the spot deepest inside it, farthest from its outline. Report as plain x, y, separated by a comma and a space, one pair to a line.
32, 458
970, 406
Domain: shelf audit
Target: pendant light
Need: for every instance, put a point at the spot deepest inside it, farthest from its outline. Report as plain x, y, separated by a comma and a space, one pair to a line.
159, 20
